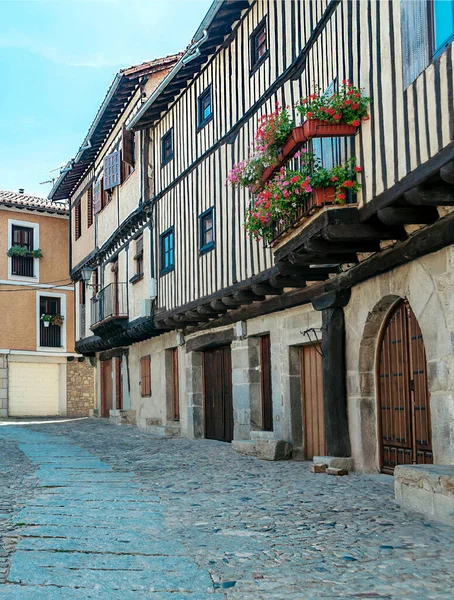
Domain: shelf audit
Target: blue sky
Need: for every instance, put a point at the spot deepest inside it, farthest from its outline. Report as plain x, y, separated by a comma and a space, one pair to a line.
57, 59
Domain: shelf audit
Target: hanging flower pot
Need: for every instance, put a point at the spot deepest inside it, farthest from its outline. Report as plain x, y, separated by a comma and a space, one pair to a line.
58, 320
317, 128
295, 140
46, 323
46, 320
324, 195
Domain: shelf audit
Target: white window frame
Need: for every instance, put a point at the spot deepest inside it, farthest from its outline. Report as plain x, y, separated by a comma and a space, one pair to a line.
38, 321
35, 227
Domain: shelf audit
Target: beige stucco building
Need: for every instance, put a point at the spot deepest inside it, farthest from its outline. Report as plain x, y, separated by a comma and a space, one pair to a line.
41, 374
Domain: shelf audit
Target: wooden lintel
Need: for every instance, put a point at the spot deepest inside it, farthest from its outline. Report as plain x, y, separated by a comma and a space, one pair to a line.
345, 233
231, 302
403, 215
247, 296
435, 195
304, 259
193, 314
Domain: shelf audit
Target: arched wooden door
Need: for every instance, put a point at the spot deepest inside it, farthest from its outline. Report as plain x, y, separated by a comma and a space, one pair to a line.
403, 395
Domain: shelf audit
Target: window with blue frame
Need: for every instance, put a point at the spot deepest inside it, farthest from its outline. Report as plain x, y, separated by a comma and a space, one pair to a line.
205, 107
167, 251
206, 220
328, 150
167, 147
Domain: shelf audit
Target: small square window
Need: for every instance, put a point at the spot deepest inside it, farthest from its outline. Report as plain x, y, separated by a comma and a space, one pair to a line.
207, 230
205, 107
167, 251
167, 147
259, 45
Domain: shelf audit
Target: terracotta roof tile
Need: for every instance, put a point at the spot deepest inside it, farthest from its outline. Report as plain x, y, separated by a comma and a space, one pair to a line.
163, 62
33, 202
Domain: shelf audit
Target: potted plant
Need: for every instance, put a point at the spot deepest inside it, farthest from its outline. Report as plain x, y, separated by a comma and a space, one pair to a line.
58, 320
331, 115
22, 251
46, 319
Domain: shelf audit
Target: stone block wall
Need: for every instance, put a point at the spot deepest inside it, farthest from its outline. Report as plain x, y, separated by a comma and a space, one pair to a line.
80, 379
3, 386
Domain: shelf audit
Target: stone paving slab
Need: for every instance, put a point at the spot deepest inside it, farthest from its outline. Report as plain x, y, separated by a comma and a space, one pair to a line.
252, 530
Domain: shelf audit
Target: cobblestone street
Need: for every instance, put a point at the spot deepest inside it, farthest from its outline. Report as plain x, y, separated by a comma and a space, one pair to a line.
93, 511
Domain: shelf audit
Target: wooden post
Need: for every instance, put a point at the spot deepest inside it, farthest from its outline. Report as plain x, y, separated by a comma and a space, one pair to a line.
334, 374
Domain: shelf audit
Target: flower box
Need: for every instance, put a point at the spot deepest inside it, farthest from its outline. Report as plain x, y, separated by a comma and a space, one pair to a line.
294, 142
316, 128
323, 196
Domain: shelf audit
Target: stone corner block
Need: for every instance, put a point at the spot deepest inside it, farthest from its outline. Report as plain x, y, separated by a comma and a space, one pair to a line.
246, 447
335, 462
334, 471
274, 449
427, 489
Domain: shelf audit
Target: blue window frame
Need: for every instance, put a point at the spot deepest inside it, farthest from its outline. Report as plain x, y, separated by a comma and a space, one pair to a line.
442, 26
205, 107
206, 224
167, 251
167, 147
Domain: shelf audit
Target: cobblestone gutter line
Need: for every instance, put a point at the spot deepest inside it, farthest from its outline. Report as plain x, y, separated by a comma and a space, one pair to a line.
18, 484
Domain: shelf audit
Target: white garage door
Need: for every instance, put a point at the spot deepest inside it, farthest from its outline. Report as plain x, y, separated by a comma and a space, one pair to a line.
33, 389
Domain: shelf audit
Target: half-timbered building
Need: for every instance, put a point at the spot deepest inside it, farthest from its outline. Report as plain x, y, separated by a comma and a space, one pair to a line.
334, 337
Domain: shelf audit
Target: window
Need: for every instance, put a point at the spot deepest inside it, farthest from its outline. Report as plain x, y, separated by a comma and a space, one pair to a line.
328, 150
77, 222
98, 192
207, 230
145, 376
50, 332
259, 45
427, 30
90, 207
167, 147
112, 170
22, 266
205, 107
167, 251
128, 152
138, 258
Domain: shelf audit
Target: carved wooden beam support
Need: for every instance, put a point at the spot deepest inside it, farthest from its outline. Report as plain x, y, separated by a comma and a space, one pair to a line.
402, 215
193, 315
436, 195
278, 281
246, 296
231, 302
346, 233
323, 247
327, 259
447, 173
263, 289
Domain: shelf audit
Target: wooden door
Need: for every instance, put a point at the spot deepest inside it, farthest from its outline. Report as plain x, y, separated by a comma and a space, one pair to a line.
118, 384
106, 387
312, 399
403, 395
175, 386
217, 368
265, 372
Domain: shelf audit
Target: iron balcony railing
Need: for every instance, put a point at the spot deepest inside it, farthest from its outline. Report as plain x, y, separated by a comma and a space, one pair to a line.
50, 337
23, 266
109, 303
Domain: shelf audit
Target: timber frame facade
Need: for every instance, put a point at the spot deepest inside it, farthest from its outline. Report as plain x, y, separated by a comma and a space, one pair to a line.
215, 326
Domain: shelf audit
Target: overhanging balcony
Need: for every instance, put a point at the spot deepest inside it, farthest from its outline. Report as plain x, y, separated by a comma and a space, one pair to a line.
109, 309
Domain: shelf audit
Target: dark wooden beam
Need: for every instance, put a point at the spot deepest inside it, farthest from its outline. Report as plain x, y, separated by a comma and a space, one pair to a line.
435, 195
278, 281
323, 247
218, 305
231, 302
402, 215
263, 289
327, 259
207, 310
447, 173
172, 323
286, 268
193, 314
345, 233
247, 296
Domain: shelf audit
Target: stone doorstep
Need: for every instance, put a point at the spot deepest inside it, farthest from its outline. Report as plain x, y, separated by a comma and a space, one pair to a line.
264, 449
122, 417
345, 463
163, 430
427, 489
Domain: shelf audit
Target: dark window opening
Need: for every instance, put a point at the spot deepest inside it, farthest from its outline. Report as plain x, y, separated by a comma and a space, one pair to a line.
23, 266
205, 107
167, 251
50, 336
265, 371
77, 221
207, 230
167, 147
90, 207
138, 258
259, 45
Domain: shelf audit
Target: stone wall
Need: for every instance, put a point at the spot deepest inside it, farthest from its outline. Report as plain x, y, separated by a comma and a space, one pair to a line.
3, 385
80, 377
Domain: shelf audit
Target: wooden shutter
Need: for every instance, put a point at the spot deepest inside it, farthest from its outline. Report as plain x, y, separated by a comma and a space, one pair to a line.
81, 292
77, 228
128, 146
90, 207
97, 196
415, 38
112, 170
145, 376
95, 282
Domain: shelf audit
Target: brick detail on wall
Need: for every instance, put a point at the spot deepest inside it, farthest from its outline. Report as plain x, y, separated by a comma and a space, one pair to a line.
3, 385
80, 388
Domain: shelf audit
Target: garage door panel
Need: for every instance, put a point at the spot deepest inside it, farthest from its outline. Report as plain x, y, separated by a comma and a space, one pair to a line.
33, 389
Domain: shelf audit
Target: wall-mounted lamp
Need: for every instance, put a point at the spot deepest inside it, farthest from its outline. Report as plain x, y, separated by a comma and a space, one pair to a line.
86, 275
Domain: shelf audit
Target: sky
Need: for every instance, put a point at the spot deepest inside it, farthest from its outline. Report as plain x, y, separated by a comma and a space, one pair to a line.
57, 60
